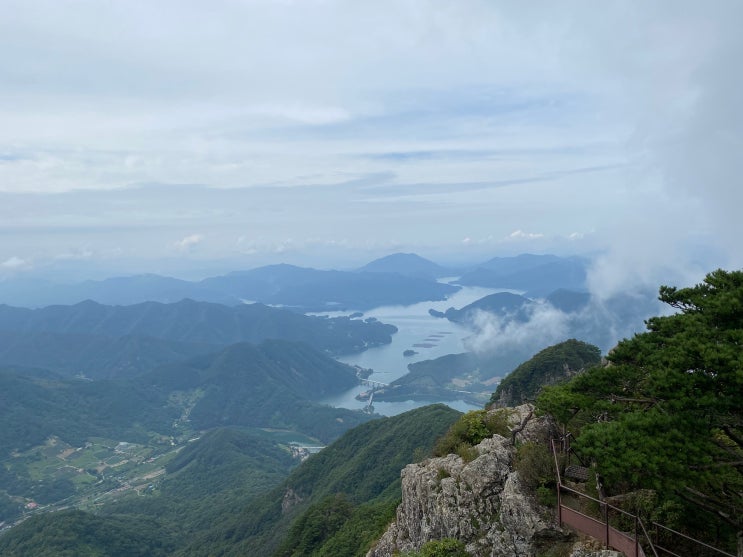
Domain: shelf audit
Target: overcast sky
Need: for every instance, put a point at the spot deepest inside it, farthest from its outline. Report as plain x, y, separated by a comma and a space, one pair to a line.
165, 136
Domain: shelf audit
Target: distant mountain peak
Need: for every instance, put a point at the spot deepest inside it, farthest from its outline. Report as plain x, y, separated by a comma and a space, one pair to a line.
409, 264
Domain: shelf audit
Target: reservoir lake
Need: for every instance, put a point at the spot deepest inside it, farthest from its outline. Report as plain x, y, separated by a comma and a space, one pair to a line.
429, 336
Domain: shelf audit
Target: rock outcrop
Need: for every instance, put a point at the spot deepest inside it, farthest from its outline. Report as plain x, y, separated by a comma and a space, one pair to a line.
482, 502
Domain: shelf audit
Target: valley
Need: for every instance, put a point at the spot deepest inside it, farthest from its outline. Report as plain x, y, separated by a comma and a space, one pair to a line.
191, 428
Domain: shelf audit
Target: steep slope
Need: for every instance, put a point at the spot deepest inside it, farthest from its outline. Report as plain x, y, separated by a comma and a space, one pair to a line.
481, 501
199, 322
75, 533
337, 501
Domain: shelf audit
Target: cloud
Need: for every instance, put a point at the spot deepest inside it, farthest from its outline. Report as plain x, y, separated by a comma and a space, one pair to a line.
75, 255
545, 326
189, 243
473, 119
521, 235
602, 322
15, 263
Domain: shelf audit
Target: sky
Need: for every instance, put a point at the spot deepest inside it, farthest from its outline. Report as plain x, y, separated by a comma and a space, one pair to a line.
187, 137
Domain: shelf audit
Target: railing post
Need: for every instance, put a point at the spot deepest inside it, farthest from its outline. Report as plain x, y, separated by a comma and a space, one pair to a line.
637, 541
559, 483
606, 520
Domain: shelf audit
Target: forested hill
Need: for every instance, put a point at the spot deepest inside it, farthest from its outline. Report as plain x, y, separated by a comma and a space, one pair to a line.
554, 364
502, 304
199, 322
274, 384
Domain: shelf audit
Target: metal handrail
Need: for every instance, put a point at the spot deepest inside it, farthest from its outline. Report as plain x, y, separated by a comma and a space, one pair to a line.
639, 524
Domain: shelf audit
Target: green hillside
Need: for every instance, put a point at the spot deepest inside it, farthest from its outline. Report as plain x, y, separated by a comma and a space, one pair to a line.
355, 481
552, 365
78, 534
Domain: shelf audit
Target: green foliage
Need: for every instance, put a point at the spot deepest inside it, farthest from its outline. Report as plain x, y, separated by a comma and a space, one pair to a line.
364, 526
316, 526
446, 547
208, 479
535, 465
666, 414
470, 429
363, 466
9, 509
269, 385
552, 365
34, 406
79, 534
368, 459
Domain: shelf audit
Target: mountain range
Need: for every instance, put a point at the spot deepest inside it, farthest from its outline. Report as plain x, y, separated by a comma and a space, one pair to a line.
397, 279
189, 321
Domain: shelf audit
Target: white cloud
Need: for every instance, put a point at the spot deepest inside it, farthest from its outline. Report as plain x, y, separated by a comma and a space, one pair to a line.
487, 116
545, 326
15, 263
521, 235
188, 243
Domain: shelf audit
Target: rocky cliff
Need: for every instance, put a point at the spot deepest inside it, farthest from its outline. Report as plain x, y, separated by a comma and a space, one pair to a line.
482, 503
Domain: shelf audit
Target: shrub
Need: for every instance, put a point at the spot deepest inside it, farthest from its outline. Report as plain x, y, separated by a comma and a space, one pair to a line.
535, 465
471, 428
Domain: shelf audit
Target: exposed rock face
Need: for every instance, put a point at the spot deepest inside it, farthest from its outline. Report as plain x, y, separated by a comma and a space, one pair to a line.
290, 500
481, 502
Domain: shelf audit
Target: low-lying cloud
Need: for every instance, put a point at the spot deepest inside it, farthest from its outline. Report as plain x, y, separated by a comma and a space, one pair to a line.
602, 322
